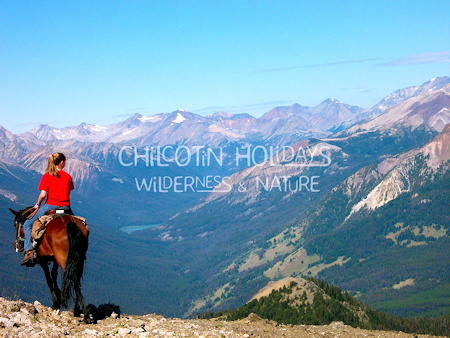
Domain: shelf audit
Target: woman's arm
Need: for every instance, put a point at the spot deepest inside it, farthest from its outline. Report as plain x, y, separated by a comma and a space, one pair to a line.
41, 197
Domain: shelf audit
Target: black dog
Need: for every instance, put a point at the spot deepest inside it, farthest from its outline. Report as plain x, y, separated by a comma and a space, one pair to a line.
101, 312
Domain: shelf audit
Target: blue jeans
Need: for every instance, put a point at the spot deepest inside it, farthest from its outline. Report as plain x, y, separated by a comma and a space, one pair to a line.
29, 222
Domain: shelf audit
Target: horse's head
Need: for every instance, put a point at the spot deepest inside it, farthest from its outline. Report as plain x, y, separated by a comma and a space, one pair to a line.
19, 218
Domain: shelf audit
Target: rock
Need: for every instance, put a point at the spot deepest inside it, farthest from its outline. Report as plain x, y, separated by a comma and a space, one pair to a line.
137, 323
90, 332
20, 318
137, 330
15, 308
124, 330
29, 310
149, 326
6, 322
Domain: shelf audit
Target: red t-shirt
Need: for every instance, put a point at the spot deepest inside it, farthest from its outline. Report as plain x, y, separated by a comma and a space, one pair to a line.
57, 188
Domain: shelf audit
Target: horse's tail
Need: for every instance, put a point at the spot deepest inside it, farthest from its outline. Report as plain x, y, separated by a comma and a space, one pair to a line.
78, 245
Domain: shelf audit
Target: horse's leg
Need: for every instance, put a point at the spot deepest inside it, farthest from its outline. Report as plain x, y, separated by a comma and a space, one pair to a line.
51, 283
56, 289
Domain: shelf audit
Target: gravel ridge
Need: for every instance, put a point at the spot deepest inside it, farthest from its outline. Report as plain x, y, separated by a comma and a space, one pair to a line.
20, 319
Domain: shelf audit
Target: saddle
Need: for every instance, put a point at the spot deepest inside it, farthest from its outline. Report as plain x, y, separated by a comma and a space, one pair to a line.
40, 225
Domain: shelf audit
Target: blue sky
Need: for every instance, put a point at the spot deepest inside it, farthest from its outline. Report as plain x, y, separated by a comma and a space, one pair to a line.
67, 62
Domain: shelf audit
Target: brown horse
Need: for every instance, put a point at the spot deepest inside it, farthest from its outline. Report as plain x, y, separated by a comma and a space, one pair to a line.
64, 243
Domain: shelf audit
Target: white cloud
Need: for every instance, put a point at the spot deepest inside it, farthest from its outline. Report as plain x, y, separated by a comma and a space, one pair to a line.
326, 64
419, 59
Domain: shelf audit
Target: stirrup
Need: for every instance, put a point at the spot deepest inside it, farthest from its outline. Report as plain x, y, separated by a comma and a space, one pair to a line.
29, 259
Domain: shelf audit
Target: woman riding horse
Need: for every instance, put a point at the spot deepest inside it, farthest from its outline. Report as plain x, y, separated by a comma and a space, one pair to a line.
55, 186
65, 240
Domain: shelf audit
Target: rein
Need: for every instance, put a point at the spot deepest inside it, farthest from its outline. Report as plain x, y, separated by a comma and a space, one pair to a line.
33, 211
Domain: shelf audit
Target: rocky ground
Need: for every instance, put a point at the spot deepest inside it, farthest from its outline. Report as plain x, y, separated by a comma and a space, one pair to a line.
21, 319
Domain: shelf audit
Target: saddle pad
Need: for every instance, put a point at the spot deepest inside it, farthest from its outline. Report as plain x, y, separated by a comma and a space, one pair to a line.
40, 225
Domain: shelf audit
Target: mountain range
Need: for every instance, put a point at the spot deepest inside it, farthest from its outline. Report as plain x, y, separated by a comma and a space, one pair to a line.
229, 202
181, 127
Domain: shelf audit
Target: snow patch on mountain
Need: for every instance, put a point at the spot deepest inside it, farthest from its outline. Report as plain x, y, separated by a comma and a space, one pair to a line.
8, 194
180, 118
127, 132
97, 128
152, 119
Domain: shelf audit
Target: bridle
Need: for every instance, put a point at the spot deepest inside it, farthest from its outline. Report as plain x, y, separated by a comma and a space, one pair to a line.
18, 224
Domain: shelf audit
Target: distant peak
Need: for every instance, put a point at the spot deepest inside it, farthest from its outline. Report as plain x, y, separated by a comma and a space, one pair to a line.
437, 81
180, 111
224, 114
42, 127
331, 101
135, 116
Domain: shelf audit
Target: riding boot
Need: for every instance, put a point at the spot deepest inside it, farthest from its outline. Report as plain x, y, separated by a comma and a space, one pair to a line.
29, 259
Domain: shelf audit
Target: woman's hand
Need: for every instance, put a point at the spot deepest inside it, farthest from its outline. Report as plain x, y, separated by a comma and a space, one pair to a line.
41, 198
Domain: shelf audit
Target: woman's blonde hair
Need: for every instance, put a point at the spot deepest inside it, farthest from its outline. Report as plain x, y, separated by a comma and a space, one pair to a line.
53, 160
